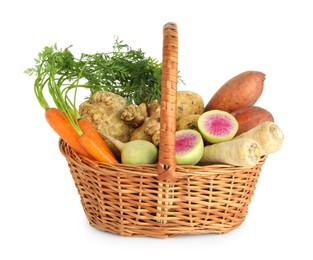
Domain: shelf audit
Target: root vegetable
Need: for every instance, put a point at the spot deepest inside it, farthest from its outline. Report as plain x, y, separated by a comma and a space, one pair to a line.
268, 135
154, 108
189, 103
63, 127
240, 91
243, 152
150, 129
250, 117
153, 129
217, 126
140, 134
189, 147
135, 152
105, 154
104, 110
135, 115
188, 122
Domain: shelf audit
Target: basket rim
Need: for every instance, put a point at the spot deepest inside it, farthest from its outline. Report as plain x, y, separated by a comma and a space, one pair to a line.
151, 169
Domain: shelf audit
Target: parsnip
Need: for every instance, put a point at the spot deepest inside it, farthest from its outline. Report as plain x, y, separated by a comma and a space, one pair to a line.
239, 152
268, 135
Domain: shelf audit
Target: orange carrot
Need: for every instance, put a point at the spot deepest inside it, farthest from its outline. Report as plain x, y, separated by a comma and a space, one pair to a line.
87, 127
96, 149
62, 126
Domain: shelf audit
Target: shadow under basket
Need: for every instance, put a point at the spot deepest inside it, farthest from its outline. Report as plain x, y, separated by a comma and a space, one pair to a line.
130, 200
163, 199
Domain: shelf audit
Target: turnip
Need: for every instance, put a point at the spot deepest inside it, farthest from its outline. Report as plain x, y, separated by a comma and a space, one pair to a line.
268, 134
239, 152
136, 151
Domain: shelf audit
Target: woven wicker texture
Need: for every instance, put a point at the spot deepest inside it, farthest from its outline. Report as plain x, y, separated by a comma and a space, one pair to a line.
164, 199
167, 162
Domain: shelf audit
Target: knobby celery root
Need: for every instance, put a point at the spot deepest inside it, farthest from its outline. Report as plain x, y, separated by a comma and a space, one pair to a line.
104, 110
239, 152
268, 134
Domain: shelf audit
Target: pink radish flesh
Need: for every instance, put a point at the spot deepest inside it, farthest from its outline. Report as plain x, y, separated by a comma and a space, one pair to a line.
185, 142
218, 125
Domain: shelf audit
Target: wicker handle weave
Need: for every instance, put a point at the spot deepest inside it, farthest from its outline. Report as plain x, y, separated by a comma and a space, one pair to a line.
166, 160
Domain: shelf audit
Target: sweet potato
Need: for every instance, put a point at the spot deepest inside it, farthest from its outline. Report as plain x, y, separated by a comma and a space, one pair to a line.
250, 117
239, 92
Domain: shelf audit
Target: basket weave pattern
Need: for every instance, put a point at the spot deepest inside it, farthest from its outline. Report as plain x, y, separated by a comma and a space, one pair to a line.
163, 199
131, 200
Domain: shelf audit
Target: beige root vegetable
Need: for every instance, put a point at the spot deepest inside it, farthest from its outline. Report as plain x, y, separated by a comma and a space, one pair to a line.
189, 103
140, 134
153, 129
239, 152
135, 115
154, 108
150, 129
104, 110
188, 122
268, 134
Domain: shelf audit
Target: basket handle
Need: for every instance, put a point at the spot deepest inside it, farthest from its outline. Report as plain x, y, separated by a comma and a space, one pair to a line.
166, 161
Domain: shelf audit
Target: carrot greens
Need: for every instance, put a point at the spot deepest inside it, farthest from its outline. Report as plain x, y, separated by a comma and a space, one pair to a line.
123, 71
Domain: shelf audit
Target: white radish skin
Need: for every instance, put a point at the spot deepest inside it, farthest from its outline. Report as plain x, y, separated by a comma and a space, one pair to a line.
239, 152
268, 135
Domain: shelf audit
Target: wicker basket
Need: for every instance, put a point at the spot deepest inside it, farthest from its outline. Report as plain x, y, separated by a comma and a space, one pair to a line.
164, 199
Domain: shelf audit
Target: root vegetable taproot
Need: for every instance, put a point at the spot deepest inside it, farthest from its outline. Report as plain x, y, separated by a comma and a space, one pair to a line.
241, 91
268, 134
250, 117
243, 152
85, 142
104, 154
63, 127
97, 149
136, 151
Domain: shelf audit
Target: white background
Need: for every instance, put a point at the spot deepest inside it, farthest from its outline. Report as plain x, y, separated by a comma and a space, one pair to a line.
41, 215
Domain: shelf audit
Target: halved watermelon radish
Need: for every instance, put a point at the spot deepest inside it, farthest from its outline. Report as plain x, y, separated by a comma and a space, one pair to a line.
217, 126
189, 147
